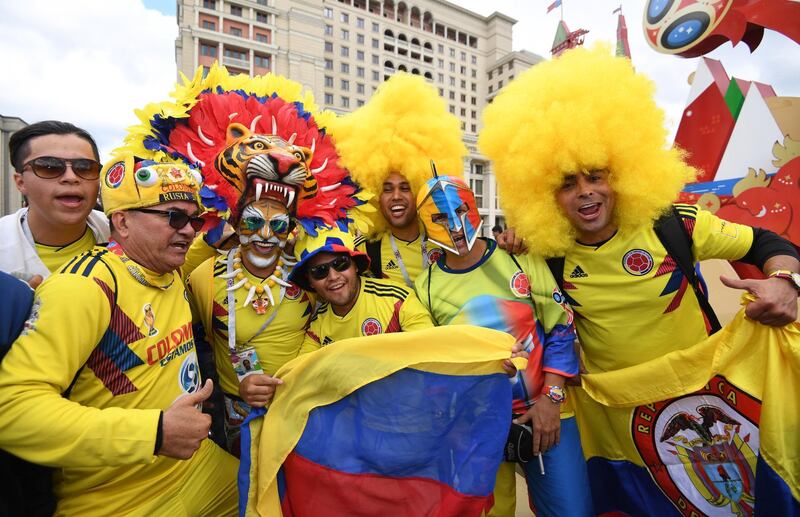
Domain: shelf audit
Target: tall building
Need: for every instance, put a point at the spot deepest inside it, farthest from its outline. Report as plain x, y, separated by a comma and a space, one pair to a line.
343, 49
10, 197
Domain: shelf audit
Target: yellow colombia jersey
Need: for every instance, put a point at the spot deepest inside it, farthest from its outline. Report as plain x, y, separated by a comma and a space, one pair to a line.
277, 344
120, 348
382, 307
411, 254
631, 301
54, 256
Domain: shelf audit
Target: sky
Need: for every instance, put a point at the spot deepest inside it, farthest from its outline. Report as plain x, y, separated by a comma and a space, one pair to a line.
92, 62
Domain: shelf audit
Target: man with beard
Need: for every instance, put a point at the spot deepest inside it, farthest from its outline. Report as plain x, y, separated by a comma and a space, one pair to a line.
251, 313
103, 383
387, 145
478, 284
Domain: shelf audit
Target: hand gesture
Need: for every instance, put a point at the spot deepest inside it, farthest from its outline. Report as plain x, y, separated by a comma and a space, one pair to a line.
776, 299
509, 241
183, 426
258, 389
545, 419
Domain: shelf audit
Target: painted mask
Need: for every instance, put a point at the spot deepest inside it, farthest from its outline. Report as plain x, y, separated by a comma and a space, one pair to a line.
263, 229
446, 206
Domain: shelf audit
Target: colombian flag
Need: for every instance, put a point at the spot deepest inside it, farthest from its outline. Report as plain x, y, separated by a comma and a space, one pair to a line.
394, 424
710, 430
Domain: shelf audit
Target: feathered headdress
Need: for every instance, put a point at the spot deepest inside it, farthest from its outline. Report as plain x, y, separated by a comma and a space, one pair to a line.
402, 128
250, 136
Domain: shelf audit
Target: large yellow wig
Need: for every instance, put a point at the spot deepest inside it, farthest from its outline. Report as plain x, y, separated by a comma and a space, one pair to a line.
583, 110
401, 129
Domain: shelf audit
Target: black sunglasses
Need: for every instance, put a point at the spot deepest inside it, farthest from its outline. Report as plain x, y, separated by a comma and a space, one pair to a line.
340, 264
50, 167
177, 219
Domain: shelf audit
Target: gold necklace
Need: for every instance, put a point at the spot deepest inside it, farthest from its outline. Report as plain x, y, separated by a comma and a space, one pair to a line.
255, 293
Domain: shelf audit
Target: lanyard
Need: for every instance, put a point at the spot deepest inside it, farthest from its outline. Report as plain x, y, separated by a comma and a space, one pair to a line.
399, 259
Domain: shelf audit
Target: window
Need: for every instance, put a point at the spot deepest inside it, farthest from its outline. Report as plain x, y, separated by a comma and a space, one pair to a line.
236, 31
473, 101
452, 67
463, 83
345, 102
440, 48
359, 103
360, 72
463, 112
476, 183
452, 109
329, 99
440, 77
490, 74
360, 23
473, 128
360, 55
235, 54
463, 126
452, 81
376, 76
375, 43
463, 70
441, 92
345, 51
209, 25
328, 81
262, 17
210, 4
345, 18
499, 69
500, 83
473, 73
452, 95
328, 46
375, 59
463, 56
345, 34
262, 38
452, 52
474, 60
491, 88
236, 10
345, 68
473, 114
510, 78
328, 13
345, 85
208, 50
440, 63
360, 88
360, 39
328, 64
261, 61
329, 30
463, 98
375, 27
473, 87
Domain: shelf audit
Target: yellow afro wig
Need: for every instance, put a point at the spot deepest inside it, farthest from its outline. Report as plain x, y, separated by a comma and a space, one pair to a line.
581, 111
401, 129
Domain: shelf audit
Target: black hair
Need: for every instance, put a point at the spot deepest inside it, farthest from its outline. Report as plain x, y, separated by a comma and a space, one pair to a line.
497, 228
19, 143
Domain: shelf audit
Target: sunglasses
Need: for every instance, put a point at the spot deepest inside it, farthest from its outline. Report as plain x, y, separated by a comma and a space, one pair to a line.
253, 224
320, 271
177, 219
50, 167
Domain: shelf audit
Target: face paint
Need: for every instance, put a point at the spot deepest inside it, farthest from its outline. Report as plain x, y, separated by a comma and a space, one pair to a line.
446, 207
263, 230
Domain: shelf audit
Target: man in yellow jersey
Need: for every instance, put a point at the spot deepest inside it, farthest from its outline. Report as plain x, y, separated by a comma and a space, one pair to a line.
57, 168
269, 313
605, 180
476, 283
387, 145
103, 384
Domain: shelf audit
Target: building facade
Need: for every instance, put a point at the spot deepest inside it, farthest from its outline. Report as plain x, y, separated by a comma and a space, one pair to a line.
343, 49
10, 198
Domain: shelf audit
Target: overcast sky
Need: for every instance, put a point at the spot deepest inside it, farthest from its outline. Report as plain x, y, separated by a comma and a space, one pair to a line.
92, 62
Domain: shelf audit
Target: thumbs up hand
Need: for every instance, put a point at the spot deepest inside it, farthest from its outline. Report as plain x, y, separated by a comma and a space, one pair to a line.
184, 427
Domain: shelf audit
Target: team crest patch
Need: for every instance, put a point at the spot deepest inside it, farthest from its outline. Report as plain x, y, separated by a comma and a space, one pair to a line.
115, 175
150, 320
520, 285
371, 327
189, 376
638, 262
293, 292
434, 255
701, 449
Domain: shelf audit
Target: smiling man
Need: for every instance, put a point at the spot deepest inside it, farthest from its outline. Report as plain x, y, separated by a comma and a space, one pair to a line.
104, 384
352, 304
57, 170
387, 145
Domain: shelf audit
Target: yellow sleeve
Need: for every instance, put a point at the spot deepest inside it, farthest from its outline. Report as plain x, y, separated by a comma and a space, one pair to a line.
36, 422
717, 238
200, 286
199, 252
413, 316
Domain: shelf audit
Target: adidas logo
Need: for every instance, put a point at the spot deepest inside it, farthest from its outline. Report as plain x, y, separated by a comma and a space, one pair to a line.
578, 273
327, 341
391, 265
